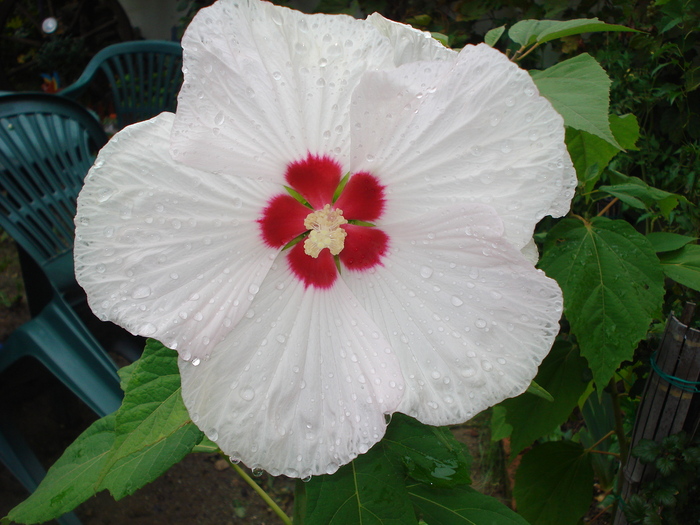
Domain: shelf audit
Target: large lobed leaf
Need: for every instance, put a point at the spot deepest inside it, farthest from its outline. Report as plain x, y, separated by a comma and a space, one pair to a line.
153, 428
612, 284
71, 480
683, 266
554, 483
591, 154
562, 374
429, 454
417, 471
461, 506
579, 89
370, 490
121, 452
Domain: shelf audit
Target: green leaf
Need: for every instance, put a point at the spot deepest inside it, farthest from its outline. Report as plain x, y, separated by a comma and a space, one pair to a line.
442, 38
668, 242
625, 128
591, 154
72, 479
370, 490
461, 505
539, 391
554, 483
430, 454
562, 373
493, 35
153, 429
579, 90
638, 194
500, 429
613, 287
528, 32
683, 266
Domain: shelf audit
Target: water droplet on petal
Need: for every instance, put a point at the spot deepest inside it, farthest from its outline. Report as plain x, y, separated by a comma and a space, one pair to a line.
248, 394
426, 272
141, 292
219, 118
456, 301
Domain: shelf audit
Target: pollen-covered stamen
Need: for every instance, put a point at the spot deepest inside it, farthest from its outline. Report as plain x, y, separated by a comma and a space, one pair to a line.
325, 231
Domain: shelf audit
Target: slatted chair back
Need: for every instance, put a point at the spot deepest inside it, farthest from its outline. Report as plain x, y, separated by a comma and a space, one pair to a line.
47, 145
144, 76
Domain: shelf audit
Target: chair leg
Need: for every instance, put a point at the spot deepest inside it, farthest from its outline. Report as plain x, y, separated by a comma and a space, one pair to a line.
71, 354
96, 386
19, 459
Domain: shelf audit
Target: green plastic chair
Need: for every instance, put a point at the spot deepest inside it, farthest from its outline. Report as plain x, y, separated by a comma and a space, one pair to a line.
145, 77
47, 145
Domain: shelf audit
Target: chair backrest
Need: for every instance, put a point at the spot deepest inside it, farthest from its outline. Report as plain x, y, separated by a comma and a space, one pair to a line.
145, 77
47, 145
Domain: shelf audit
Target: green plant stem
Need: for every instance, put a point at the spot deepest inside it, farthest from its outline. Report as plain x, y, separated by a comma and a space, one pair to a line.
605, 453
594, 445
264, 495
619, 426
607, 207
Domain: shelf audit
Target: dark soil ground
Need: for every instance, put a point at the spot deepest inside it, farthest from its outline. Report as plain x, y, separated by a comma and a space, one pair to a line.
200, 490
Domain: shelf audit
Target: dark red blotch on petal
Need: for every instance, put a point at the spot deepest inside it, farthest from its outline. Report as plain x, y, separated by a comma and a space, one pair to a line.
282, 220
316, 178
362, 198
320, 272
364, 247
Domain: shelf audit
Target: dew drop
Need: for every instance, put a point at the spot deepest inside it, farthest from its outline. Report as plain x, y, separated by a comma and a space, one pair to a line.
219, 118
196, 361
456, 301
141, 292
248, 394
480, 323
426, 272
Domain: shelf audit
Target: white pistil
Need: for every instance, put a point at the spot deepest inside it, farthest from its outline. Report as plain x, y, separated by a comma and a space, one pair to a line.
325, 231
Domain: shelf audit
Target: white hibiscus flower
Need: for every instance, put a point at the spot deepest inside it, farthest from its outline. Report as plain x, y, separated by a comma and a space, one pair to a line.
406, 289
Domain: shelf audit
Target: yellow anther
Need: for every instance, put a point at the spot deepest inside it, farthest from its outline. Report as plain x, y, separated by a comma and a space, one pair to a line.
325, 231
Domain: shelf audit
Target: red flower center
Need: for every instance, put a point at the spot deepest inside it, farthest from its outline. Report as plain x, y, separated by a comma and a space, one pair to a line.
325, 221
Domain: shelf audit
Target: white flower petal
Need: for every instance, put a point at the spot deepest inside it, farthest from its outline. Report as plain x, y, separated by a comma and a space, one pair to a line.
410, 45
164, 250
469, 317
530, 252
265, 85
301, 386
475, 130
